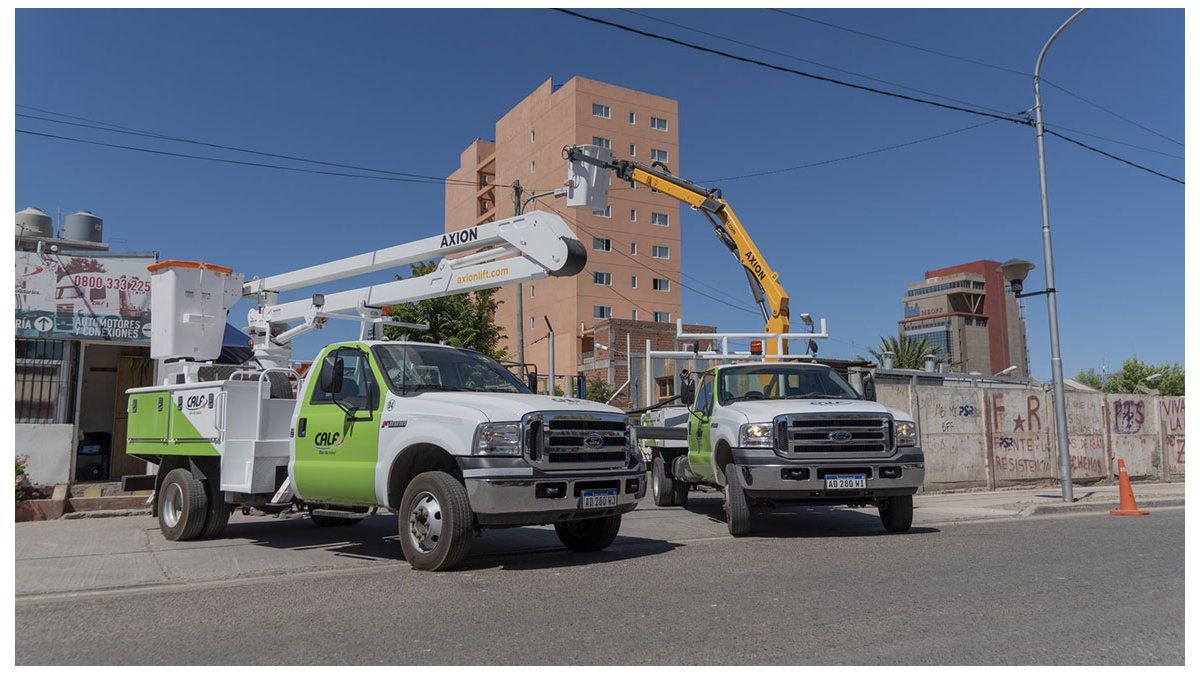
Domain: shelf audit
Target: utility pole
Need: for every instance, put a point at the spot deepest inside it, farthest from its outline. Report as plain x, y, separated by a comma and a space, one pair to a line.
1056, 372
518, 208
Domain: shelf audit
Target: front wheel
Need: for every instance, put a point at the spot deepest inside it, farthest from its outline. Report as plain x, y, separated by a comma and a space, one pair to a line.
588, 536
435, 522
737, 505
896, 513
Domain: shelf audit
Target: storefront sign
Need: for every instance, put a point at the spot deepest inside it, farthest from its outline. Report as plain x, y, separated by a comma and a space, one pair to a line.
83, 297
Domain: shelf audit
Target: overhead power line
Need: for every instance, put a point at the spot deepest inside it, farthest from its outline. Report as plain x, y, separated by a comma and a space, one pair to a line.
822, 78
785, 69
224, 160
810, 61
977, 62
120, 129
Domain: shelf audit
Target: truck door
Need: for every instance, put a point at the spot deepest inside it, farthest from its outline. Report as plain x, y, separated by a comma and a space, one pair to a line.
336, 441
699, 435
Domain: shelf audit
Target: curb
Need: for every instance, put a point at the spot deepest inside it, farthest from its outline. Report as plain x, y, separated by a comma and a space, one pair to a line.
1044, 509
106, 513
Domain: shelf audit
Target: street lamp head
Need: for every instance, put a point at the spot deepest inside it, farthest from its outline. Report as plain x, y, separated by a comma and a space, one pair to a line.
1015, 271
1154, 378
1007, 371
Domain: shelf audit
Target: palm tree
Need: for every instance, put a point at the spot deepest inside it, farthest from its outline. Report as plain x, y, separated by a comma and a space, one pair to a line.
907, 352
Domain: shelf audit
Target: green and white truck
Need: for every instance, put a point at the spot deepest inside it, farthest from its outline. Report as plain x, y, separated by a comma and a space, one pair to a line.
448, 439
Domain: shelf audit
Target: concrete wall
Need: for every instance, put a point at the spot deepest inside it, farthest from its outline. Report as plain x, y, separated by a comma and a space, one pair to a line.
49, 447
1005, 436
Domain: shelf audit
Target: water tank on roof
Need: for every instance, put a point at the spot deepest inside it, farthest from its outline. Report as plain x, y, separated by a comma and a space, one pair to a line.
83, 226
33, 222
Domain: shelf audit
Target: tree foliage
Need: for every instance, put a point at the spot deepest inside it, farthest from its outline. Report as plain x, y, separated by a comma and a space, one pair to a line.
465, 320
909, 352
598, 390
1135, 372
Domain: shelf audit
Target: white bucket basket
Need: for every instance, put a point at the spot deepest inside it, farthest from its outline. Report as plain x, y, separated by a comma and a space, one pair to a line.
188, 305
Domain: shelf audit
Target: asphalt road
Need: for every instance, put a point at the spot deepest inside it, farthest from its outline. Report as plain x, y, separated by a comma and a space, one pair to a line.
811, 588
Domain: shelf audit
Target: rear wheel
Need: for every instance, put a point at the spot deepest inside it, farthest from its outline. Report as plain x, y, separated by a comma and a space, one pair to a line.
216, 516
588, 536
182, 505
737, 506
896, 513
662, 485
435, 522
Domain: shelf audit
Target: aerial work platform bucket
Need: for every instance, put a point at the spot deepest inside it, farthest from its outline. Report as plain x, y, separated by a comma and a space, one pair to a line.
188, 305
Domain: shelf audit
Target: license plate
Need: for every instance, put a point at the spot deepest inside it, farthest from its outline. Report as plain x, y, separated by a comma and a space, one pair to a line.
846, 481
598, 499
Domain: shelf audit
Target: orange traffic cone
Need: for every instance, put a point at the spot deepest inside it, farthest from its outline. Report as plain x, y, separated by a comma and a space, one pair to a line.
1128, 506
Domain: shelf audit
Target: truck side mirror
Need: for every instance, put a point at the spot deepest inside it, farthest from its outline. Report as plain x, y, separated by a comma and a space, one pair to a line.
531, 381
868, 386
333, 369
687, 393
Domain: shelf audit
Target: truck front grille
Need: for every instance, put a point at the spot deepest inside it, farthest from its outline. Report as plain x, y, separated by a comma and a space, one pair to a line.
832, 435
566, 440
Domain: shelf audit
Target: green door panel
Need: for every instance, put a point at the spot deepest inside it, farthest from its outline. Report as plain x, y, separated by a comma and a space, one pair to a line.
335, 455
157, 428
699, 432
148, 416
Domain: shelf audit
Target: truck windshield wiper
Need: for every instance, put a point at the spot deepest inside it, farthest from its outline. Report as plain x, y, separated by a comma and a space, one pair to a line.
811, 394
432, 387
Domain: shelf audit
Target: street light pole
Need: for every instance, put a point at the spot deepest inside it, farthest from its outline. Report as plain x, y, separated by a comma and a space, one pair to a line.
1056, 372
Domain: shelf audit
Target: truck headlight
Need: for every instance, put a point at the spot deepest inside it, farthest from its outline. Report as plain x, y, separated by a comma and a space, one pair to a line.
498, 438
906, 433
760, 435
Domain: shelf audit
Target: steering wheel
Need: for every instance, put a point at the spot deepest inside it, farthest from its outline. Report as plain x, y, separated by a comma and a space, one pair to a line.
753, 396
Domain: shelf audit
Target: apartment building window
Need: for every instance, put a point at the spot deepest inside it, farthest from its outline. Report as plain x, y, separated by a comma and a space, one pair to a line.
601, 110
633, 314
660, 284
633, 248
602, 142
531, 291
532, 136
532, 324
660, 219
662, 252
662, 317
658, 123
602, 278
601, 244
632, 117
532, 166
632, 150
601, 311
605, 212
633, 215
633, 281
657, 155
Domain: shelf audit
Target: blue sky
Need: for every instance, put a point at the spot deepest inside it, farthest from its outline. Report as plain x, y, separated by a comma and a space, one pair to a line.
408, 90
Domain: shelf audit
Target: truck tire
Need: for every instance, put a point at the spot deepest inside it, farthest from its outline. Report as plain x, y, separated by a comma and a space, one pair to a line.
682, 489
737, 506
435, 522
182, 505
590, 535
330, 521
216, 516
896, 513
662, 484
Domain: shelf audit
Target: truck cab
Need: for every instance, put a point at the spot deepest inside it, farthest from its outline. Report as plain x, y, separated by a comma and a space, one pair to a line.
778, 432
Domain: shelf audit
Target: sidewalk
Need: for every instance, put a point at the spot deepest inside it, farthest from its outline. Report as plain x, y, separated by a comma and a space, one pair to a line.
1020, 502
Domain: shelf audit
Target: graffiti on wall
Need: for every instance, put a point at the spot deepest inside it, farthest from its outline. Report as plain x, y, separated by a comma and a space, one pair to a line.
1171, 410
1129, 416
1019, 443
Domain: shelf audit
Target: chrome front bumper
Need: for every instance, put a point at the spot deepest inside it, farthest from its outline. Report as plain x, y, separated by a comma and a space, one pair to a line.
765, 475
516, 495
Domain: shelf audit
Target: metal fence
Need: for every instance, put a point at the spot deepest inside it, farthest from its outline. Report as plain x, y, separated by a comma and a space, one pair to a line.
46, 378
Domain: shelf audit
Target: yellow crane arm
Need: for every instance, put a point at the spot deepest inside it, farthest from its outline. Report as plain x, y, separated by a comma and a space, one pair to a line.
764, 282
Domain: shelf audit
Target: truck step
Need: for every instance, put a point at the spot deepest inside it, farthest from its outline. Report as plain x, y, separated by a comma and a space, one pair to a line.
336, 513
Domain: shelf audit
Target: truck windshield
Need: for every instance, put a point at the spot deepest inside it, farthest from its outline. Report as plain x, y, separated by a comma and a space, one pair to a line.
781, 381
412, 368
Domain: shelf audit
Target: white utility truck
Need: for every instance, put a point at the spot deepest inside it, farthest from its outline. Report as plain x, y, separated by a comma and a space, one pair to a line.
446, 438
779, 429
